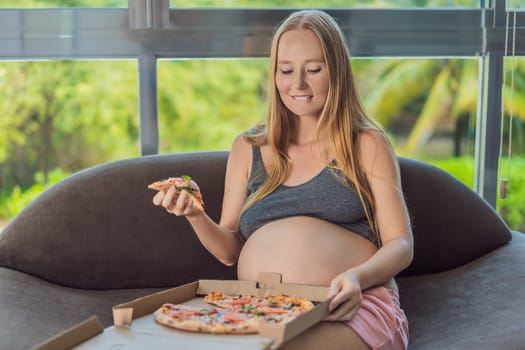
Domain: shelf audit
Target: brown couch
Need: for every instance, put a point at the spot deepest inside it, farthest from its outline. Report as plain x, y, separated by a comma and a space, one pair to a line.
95, 240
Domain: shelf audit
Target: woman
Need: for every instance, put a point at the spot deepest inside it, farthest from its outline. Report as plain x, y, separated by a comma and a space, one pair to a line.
315, 193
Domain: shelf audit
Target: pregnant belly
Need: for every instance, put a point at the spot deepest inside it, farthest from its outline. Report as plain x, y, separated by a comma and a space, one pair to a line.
304, 250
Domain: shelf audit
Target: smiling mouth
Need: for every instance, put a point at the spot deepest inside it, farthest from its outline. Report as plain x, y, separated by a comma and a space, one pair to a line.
302, 98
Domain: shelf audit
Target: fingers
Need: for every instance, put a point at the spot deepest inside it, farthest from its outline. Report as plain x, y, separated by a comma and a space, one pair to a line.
179, 203
340, 290
345, 295
169, 199
346, 310
183, 204
341, 297
157, 199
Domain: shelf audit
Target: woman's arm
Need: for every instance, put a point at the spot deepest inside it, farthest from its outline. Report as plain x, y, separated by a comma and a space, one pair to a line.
380, 164
391, 214
223, 240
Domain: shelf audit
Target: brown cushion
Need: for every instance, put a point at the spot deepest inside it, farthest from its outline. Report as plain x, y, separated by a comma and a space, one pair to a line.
452, 225
99, 229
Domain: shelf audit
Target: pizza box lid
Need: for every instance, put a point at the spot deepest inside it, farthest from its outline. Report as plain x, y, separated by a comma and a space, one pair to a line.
134, 326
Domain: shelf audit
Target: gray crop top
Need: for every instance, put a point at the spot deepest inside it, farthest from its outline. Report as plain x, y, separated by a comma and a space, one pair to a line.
308, 199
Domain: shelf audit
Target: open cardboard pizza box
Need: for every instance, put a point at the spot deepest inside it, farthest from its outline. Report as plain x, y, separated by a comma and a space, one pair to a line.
135, 328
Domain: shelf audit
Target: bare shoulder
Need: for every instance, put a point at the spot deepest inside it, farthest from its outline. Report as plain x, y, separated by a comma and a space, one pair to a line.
239, 163
240, 153
373, 138
241, 143
376, 152
236, 181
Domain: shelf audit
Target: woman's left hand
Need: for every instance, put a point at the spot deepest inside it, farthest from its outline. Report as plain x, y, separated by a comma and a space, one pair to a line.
345, 292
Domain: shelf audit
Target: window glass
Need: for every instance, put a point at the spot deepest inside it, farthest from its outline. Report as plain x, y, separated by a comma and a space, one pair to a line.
204, 104
325, 3
512, 207
515, 5
58, 117
62, 3
428, 106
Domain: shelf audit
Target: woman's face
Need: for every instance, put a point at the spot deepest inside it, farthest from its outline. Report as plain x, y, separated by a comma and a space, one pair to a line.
301, 76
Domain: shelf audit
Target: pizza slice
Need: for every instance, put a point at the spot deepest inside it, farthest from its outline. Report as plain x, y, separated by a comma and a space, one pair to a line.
185, 183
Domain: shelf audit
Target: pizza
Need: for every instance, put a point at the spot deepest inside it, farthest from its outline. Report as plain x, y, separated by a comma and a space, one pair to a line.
268, 305
206, 320
180, 183
239, 314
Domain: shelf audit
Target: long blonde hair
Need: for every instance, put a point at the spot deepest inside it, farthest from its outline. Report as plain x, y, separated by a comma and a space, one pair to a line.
342, 117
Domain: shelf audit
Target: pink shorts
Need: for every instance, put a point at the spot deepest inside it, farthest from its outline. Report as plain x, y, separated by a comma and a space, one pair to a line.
380, 321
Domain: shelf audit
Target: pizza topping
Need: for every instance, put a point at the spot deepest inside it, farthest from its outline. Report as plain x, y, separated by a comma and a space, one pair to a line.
289, 306
240, 301
186, 177
271, 310
246, 308
258, 312
208, 312
234, 317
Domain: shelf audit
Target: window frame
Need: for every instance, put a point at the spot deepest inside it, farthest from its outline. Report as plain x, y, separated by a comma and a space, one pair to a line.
151, 30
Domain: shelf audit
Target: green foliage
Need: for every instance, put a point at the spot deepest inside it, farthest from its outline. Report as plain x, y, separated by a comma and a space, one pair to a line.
66, 114
204, 104
244, 3
62, 3
18, 199
460, 167
437, 92
323, 3
510, 208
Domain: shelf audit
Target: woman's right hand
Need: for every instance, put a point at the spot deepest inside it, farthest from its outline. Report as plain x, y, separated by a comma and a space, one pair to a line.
179, 203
